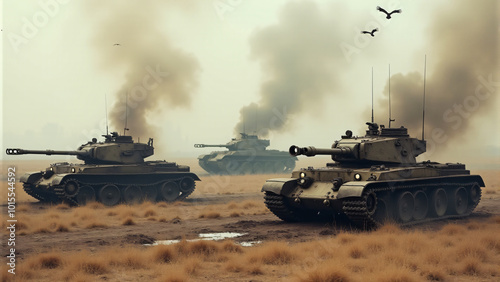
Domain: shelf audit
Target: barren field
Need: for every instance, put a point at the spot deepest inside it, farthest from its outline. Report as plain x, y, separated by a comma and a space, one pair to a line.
61, 243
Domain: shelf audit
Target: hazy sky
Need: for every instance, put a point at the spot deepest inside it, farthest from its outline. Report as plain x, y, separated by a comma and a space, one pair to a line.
301, 70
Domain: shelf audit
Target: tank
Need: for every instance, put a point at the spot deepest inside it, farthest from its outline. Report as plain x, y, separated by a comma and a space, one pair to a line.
246, 155
114, 171
374, 179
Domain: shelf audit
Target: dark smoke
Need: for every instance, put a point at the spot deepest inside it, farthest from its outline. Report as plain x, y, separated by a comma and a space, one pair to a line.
463, 45
298, 57
157, 75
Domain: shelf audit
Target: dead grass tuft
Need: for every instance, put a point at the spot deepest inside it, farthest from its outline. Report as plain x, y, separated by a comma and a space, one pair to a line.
163, 253
275, 253
330, 273
128, 221
62, 228
50, 260
191, 265
95, 224
209, 214
230, 247
470, 266
173, 275
234, 214
150, 212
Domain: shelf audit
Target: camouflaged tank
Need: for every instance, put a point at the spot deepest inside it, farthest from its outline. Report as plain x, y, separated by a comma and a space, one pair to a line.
114, 171
246, 155
374, 179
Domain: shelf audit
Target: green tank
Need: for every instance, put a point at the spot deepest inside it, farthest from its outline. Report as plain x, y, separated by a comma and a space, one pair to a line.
374, 179
246, 155
114, 171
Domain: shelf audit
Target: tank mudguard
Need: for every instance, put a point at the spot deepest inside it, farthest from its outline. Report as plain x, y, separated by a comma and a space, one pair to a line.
30, 177
279, 185
58, 179
352, 189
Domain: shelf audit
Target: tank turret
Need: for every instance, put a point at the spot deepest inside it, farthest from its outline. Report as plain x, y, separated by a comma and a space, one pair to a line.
385, 146
116, 149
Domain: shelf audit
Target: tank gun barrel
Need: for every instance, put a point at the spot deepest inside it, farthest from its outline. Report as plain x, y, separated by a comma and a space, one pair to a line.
44, 152
210, 146
312, 151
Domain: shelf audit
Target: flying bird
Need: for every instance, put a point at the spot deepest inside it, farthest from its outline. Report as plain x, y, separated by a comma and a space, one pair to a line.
387, 13
370, 33
117, 44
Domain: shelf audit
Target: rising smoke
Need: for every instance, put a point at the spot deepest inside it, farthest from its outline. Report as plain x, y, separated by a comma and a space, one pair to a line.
463, 44
298, 57
157, 75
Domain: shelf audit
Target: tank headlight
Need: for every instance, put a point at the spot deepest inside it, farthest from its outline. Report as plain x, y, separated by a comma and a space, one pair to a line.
73, 169
51, 169
357, 176
302, 174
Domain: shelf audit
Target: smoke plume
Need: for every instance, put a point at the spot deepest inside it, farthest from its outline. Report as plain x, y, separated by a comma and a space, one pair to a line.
463, 45
157, 75
298, 58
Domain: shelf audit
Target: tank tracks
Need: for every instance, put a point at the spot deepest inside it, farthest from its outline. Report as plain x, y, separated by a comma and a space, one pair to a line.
93, 191
257, 167
365, 217
374, 208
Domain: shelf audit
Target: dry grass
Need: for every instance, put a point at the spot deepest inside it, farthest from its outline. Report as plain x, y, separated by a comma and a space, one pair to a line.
388, 254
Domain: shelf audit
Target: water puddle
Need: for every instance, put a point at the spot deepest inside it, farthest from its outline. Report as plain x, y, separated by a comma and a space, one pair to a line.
209, 237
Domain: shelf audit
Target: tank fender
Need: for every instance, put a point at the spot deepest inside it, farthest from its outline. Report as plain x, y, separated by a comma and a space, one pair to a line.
279, 185
59, 179
30, 177
352, 189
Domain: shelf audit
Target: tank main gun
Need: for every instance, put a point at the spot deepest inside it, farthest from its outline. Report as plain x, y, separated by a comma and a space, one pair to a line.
45, 152
313, 151
211, 146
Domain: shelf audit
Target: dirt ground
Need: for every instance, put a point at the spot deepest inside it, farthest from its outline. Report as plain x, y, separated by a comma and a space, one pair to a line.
220, 204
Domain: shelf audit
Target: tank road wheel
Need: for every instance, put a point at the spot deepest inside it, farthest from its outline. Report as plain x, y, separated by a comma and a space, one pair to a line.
186, 184
85, 195
475, 194
459, 201
439, 202
71, 188
169, 191
109, 195
421, 205
405, 206
132, 194
149, 193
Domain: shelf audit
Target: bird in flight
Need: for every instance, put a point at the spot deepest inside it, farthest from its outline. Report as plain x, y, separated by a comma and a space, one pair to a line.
370, 33
117, 44
387, 13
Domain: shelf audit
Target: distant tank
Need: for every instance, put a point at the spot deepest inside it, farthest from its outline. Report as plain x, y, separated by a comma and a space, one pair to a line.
114, 171
246, 155
374, 179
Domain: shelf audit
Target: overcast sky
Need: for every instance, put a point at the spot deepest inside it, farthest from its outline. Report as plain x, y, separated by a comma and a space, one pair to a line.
301, 70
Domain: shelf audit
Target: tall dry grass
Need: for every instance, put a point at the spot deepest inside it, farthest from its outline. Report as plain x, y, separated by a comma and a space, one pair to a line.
388, 254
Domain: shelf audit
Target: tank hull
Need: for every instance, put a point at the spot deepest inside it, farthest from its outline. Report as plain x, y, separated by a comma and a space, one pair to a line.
247, 162
78, 184
371, 196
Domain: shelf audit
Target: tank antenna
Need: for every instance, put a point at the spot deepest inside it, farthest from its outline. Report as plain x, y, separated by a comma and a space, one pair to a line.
390, 116
423, 103
126, 113
106, 112
372, 94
